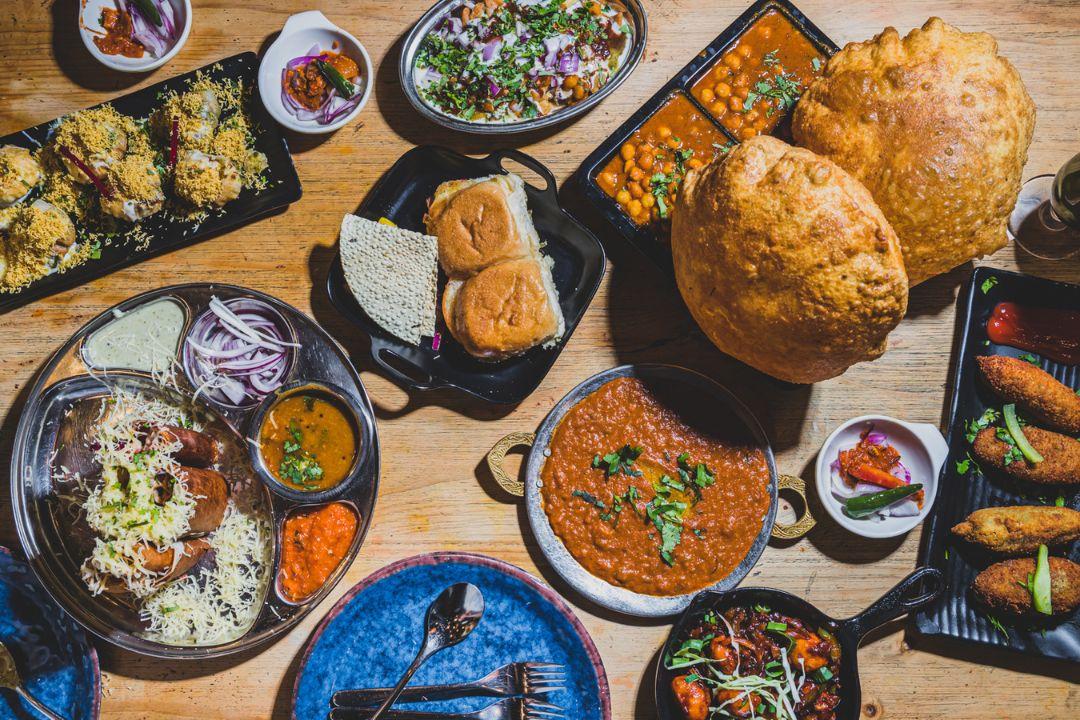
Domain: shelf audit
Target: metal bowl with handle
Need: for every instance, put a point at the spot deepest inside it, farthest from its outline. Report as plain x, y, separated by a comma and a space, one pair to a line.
414, 40
600, 591
918, 589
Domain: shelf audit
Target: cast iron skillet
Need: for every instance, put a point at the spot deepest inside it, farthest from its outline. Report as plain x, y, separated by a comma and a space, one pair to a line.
402, 195
620, 599
916, 590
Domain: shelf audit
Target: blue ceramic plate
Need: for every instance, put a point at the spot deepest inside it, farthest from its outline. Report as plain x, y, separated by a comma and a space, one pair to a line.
373, 633
57, 664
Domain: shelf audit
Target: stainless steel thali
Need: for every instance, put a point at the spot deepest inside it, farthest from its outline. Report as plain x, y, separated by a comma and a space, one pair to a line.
55, 538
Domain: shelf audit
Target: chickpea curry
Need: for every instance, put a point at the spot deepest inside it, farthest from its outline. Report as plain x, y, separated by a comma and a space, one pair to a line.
758, 80
308, 443
653, 492
644, 177
754, 662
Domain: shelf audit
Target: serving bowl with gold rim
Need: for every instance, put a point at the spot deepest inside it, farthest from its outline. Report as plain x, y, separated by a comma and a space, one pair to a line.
594, 588
61, 405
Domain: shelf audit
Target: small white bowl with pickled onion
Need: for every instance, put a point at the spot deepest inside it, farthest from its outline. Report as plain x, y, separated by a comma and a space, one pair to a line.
161, 42
305, 35
922, 452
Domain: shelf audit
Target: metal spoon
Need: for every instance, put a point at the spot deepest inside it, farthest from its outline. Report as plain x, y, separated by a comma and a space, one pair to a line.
450, 619
9, 678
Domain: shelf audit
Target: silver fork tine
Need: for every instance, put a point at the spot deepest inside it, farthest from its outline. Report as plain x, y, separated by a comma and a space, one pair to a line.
535, 710
542, 666
543, 677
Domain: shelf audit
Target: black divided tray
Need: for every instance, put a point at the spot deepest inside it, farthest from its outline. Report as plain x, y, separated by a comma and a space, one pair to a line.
283, 185
402, 196
653, 240
955, 614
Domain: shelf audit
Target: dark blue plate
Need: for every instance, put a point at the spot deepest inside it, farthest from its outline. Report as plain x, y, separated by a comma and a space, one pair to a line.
57, 664
373, 633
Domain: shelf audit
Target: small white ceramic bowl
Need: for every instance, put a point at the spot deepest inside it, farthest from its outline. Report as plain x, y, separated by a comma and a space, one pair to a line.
89, 20
922, 450
299, 34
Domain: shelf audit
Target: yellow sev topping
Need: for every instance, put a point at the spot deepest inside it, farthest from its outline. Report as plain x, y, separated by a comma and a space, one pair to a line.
136, 177
29, 245
199, 182
96, 132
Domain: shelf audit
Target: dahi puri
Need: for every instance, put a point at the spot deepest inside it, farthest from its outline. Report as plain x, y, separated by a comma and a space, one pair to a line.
500, 298
786, 263
937, 126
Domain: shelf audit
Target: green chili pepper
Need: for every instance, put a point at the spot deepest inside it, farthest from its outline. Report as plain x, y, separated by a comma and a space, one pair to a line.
149, 11
1040, 583
863, 505
1013, 426
345, 88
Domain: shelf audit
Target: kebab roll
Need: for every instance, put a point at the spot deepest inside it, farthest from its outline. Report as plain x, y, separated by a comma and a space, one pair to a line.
207, 487
167, 563
1061, 456
1019, 529
1036, 392
1003, 586
197, 449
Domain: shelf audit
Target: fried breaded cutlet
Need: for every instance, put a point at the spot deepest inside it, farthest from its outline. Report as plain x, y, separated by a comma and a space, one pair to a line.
1020, 529
1003, 586
1061, 456
1036, 393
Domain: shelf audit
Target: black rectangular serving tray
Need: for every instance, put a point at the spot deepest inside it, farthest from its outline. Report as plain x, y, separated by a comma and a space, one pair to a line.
652, 240
401, 196
955, 614
283, 185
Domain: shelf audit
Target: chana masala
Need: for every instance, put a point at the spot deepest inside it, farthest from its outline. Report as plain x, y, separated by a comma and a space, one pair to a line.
313, 543
644, 177
653, 492
308, 443
758, 80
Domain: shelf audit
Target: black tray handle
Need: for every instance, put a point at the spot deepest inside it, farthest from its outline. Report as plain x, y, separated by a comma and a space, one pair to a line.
379, 353
530, 162
928, 582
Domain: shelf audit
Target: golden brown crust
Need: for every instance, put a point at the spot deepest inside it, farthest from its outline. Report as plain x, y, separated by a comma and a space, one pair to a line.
1002, 586
211, 494
1020, 530
1061, 456
161, 562
502, 310
786, 263
937, 126
1037, 394
476, 228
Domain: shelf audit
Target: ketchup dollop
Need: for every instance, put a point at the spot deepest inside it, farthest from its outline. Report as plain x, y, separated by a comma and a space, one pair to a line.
1050, 332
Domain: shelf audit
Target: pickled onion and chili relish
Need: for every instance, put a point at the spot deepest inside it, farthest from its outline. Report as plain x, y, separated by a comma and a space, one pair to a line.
759, 79
502, 61
755, 662
644, 177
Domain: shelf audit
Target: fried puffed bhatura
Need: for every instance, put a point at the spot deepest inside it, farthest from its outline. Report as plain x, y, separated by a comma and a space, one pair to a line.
937, 126
786, 262
1061, 456
1021, 529
1003, 586
1035, 391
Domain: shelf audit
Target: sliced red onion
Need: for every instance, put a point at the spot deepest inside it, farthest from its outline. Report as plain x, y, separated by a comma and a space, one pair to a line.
156, 39
569, 63
436, 341
491, 49
877, 438
237, 351
905, 508
492, 88
901, 472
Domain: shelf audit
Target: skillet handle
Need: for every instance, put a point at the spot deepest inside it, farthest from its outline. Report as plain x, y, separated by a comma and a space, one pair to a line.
530, 162
497, 455
380, 353
791, 531
926, 581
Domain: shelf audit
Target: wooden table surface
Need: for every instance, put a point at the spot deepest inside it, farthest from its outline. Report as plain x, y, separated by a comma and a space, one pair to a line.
435, 492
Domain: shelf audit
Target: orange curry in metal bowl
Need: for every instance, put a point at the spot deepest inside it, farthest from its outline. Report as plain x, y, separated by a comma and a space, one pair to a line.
652, 490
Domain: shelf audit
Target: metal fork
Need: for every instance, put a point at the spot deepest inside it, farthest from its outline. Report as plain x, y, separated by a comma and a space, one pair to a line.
529, 679
510, 709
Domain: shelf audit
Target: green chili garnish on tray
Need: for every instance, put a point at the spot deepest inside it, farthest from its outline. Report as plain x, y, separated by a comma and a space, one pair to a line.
1013, 424
345, 88
1039, 583
863, 505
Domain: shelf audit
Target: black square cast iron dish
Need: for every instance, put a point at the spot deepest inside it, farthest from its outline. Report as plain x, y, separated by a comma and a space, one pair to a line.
402, 196
652, 240
956, 614
283, 185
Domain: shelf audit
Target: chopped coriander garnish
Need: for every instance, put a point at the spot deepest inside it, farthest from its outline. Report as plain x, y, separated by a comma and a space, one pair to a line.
984, 421
988, 284
619, 461
1028, 357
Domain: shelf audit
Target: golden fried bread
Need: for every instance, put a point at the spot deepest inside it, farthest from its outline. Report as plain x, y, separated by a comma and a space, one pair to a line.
1061, 456
480, 222
1002, 586
504, 309
1019, 529
786, 263
1036, 393
937, 126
